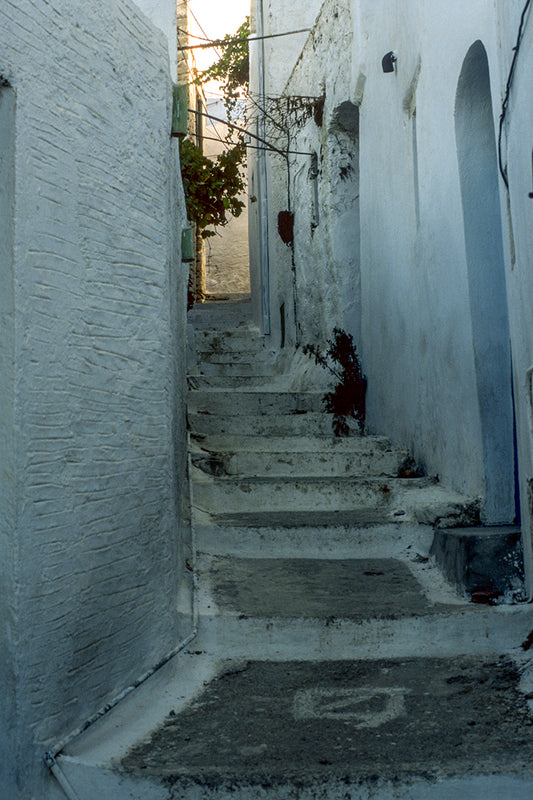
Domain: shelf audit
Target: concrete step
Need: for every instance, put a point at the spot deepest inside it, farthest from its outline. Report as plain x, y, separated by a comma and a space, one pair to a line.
243, 403
260, 383
399, 497
298, 608
353, 533
222, 316
240, 339
297, 424
231, 371
410, 500
276, 456
245, 356
425, 727
418, 729
250, 443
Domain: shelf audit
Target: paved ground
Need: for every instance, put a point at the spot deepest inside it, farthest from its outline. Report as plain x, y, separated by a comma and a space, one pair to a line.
355, 589
264, 724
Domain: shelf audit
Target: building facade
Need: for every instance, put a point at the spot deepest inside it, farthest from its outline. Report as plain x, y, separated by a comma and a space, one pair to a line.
92, 444
404, 231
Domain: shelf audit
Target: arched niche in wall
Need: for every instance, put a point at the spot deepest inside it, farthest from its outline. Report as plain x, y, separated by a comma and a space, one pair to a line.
340, 201
478, 171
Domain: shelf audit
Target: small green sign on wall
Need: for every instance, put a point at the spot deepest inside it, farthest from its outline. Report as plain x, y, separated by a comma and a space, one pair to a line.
180, 109
187, 245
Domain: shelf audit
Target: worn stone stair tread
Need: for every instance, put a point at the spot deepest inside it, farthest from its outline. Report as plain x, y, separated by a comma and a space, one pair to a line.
295, 424
309, 588
295, 444
347, 518
262, 403
386, 728
242, 370
383, 482
258, 382
263, 456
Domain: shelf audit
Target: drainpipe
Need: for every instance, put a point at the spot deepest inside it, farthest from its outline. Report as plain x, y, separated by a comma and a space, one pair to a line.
50, 757
263, 180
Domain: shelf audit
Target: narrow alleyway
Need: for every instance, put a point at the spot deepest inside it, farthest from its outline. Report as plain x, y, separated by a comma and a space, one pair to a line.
342, 665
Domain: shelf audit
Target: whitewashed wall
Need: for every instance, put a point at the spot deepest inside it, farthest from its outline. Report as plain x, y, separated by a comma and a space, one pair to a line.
326, 245
431, 329
517, 157
277, 56
92, 412
163, 14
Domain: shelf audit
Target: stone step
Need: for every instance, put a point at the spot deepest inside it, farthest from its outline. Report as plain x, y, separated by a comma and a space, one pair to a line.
258, 383
230, 371
398, 496
389, 500
229, 341
231, 403
429, 726
236, 356
250, 443
297, 424
362, 607
306, 456
222, 316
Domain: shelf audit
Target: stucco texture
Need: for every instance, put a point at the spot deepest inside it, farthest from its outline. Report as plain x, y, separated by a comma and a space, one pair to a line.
388, 242
91, 368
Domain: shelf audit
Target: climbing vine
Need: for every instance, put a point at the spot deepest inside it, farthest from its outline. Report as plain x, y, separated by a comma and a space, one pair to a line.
212, 188
232, 68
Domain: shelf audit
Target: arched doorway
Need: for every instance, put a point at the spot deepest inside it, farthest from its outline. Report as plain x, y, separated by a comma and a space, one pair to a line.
477, 159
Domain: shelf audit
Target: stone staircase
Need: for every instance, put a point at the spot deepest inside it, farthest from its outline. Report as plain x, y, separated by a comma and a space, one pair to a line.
332, 659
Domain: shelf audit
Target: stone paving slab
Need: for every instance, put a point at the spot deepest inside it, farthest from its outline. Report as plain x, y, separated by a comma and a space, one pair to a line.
355, 589
264, 724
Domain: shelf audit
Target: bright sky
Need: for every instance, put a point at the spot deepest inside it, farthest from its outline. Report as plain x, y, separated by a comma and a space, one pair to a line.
216, 17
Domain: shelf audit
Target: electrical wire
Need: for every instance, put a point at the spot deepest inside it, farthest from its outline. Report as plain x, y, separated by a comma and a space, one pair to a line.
193, 36
505, 104
237, 128
225, 42
265, 148
195, 18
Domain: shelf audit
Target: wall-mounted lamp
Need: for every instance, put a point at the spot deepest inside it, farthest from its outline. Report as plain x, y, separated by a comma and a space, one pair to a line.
388, 61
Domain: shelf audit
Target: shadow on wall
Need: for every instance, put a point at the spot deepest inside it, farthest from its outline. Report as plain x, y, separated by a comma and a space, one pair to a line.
478, 170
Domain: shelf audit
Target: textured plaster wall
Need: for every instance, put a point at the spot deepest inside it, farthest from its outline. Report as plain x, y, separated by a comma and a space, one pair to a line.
92, 301
278, 56
397, 275
417, 333
281, 53
517, 155
163, 14
326, 246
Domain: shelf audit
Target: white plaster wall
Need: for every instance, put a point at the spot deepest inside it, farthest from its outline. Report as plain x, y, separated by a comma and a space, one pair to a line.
517, 155
92, 370
326, 247
417, 339
281, 53
278, 56
416, 332
163, 14
8, 484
